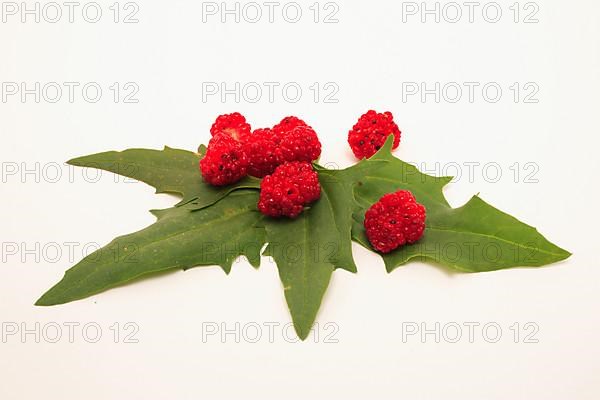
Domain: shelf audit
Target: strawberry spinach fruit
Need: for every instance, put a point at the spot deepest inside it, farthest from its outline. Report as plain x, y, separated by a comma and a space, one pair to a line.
257, 193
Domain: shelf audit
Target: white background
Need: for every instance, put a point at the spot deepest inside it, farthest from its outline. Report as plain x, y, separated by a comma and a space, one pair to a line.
367, 54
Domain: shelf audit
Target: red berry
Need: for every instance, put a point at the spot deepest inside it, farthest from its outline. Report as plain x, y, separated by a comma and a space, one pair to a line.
234, 125
396, 219
224, 162
261, 148
300, 144
287, 124
291, 187
368, 135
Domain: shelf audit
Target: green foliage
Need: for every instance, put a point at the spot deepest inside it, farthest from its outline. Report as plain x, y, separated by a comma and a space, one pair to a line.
473, 238
214, 226
179, 239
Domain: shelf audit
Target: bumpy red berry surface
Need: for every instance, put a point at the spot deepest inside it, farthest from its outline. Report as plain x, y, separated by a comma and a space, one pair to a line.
233, 124
225, 161
300, 144
288, 190
368, 135
262, 150
395, 220
287, 124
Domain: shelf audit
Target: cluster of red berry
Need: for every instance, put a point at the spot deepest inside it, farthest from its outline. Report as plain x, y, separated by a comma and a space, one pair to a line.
283, 157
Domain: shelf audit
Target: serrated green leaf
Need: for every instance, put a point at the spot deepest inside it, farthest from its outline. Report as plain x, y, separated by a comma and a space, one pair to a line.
309, 248
179, 239
304, 250
337, 191
474, 238
168, 171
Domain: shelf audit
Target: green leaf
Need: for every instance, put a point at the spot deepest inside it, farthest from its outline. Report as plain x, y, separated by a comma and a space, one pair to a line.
473, 238
168, 171
304, 250
179, 239
309, 248
337, 194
